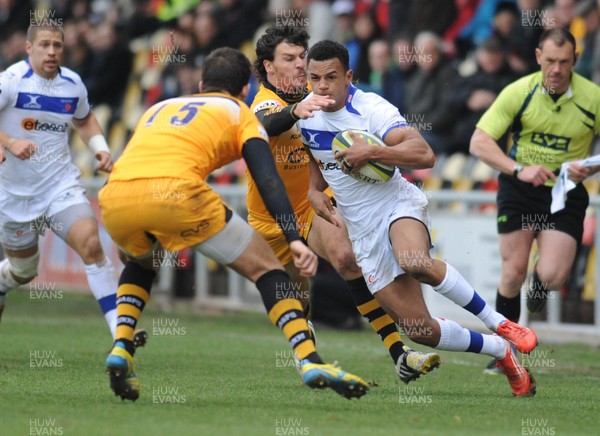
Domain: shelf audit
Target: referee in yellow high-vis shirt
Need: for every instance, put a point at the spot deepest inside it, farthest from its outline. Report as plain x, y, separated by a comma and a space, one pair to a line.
551, 117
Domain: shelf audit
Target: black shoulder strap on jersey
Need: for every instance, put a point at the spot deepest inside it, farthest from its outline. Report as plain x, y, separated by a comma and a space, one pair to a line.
517, 126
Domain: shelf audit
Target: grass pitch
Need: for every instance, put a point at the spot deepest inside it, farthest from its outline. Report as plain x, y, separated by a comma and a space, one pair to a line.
233, 375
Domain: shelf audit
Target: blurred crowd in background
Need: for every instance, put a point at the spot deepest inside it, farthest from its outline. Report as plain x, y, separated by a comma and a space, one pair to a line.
441, 62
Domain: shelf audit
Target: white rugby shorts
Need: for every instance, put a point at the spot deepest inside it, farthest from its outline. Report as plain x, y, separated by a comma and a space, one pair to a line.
374, 252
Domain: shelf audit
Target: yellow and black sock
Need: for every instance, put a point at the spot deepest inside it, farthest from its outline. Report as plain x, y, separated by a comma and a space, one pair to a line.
133, 293
381, 322
287, 314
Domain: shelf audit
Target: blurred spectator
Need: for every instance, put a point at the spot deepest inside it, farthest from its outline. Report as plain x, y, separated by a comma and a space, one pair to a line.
13, 49
143, 21
76, 54
596, 55
399, 18
587, 12
506, 18
465, 9
432, 15
386, 79
403, 66
110, 65
428, 93
480, 27
379, 10
320, 17
206, 31
564, 12
475, 93
379, 63
169, 10
179, 76
365, 32
239, 20
343, 10
524, 37
14, 16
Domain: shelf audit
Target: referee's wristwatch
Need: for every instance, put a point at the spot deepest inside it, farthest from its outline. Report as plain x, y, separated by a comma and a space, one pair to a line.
518, 168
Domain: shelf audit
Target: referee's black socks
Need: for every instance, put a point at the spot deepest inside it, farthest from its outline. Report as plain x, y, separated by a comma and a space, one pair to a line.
510, 307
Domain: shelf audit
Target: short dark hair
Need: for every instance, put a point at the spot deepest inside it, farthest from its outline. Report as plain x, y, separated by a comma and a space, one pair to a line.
558, 36
33, 30
326, 50
225, 69
267, 43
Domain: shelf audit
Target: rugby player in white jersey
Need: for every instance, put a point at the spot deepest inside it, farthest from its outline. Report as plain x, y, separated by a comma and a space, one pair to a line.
388, 223
39, 185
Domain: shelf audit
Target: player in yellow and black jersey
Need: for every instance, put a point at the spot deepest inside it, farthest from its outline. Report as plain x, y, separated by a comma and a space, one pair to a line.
280, 102
157, 196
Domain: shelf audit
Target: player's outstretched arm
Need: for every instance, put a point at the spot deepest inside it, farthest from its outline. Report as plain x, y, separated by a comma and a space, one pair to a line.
304, 259
91, 133
258, 157
305, 108
279, 119
485, 148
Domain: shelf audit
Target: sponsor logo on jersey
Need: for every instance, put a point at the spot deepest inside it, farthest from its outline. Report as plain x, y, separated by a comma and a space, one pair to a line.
549, 140
318, 139
329, 166
297, 155
311, 139
266, 104
46, 103
33, 104
372, 279
33, 124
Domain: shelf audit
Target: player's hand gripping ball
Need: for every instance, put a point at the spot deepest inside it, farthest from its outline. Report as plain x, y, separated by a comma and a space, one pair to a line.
373, 172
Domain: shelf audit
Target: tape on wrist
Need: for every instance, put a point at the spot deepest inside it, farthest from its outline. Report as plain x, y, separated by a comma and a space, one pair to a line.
97, 143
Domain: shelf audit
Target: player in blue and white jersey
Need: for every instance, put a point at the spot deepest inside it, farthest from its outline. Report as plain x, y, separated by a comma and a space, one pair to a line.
39, 184
388, 223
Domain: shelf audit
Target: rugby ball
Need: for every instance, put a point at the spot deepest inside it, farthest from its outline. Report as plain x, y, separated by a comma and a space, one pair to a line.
373, 172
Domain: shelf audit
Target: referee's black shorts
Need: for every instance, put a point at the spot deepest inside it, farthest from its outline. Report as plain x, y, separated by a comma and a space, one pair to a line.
521, 206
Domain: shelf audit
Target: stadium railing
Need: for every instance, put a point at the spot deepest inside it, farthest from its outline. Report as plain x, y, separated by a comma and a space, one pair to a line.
463, 230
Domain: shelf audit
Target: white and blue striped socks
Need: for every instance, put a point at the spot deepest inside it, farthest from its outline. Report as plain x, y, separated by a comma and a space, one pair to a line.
103, 284
455, 288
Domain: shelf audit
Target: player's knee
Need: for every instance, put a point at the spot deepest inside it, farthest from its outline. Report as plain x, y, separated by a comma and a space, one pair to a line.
419, 273
91, 250
344, 262
513, 277
23, 269
420, 267
554, 278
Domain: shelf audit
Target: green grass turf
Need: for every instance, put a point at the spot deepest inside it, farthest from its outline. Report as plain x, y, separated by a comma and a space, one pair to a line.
230, 374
